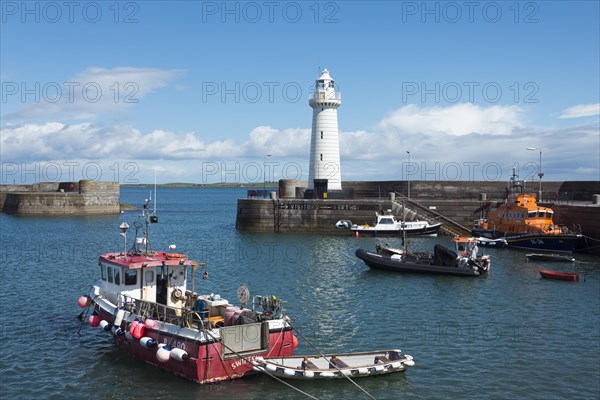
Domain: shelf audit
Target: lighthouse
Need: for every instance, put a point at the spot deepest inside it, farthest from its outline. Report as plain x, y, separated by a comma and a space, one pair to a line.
324, 140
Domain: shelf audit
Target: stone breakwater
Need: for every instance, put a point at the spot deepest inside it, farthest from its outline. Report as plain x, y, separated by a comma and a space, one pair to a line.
64, 198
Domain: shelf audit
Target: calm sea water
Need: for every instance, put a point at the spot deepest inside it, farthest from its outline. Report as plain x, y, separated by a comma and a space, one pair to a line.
505, 336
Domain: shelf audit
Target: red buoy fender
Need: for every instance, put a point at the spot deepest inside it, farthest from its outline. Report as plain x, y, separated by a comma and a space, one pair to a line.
138, 330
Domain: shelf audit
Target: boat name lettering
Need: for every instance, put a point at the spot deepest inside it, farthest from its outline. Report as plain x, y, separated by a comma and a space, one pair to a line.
175, 343
242, 361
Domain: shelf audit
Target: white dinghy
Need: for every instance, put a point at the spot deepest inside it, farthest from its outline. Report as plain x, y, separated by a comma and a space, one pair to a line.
332, 366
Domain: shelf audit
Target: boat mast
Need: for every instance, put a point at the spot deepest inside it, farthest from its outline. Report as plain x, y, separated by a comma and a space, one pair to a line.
154, 191
147, 227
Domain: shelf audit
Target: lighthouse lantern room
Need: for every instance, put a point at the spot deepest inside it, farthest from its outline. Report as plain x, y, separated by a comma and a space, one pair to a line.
324, 142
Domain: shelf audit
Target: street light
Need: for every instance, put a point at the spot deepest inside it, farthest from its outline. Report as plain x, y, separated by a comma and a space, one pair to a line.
264, 174
408, 152
540, 173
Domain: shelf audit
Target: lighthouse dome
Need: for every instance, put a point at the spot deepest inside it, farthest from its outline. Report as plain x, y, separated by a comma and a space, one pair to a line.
325, 75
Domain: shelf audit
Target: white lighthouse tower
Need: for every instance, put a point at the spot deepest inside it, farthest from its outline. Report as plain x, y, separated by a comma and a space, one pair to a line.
324, 142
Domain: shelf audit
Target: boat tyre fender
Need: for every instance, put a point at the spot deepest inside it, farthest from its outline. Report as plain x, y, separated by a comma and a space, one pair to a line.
177, 294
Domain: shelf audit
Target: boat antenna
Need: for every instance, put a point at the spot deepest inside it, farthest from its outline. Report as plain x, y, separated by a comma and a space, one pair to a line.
154, 217
403, 225
147, 219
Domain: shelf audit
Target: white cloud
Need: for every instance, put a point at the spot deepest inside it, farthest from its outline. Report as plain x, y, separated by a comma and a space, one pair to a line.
581, 110
437, 147
93, 92
290, 142
455, 120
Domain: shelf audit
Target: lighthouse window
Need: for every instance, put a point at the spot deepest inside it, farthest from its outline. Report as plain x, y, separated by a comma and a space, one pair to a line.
130, 277
321, 134
321, 156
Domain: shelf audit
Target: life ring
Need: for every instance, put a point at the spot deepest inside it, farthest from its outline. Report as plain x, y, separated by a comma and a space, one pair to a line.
175, 255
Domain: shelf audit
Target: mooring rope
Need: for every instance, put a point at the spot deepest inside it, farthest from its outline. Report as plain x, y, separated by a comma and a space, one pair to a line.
263, 369
336, 367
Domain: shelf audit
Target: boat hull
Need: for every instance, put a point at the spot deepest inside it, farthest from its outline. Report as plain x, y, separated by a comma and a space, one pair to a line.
541, 242
383, 262
205, 362
430, 230
559, 276
353, 365
549, 257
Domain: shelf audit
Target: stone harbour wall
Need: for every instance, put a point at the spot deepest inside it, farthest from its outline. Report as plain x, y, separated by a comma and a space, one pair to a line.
54, 198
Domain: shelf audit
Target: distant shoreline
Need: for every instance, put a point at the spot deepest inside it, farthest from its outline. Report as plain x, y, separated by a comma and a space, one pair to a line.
201, 185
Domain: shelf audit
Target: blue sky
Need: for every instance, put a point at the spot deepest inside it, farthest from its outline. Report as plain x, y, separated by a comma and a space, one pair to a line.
203, 91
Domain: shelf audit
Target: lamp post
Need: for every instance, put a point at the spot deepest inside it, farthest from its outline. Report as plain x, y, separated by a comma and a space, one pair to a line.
407, 167
264, 174
540, 173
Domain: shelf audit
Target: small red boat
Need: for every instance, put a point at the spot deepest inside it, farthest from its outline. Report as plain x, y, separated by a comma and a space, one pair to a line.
561, 276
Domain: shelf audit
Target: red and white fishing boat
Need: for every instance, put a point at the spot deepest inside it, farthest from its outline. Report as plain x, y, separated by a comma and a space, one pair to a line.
143, 300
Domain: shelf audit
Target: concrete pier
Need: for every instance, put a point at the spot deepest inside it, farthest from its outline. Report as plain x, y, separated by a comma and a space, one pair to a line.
54, 198
573, 203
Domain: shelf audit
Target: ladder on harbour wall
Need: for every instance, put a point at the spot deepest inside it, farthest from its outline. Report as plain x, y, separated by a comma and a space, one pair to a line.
276, 215
449, 226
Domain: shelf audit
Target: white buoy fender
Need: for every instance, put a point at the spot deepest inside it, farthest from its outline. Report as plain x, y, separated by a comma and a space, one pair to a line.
105, 325
270, 367
409, 363
119, 317
363, 371
164, 353
309, 374
396, 365
379, 368
327, 374
289, 372
147, 342
179, 354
